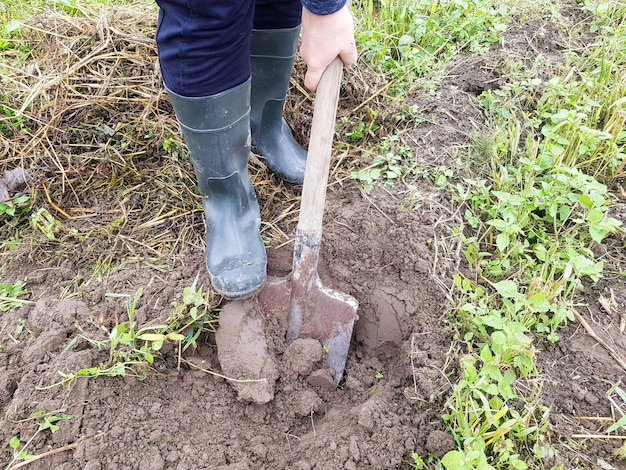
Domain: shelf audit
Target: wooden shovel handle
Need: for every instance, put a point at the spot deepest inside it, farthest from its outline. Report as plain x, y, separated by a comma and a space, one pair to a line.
309, 232
320, 148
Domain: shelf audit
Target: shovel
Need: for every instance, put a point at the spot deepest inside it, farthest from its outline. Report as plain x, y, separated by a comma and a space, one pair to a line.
315, 311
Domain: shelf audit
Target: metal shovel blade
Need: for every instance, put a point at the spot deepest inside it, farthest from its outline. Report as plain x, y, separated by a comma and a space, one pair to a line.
325, 314
331, 322
314, 310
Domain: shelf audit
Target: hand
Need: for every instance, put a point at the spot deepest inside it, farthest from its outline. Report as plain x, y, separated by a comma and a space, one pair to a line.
325, 37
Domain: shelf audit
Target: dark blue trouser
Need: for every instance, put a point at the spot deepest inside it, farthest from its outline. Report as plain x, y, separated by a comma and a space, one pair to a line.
204, 45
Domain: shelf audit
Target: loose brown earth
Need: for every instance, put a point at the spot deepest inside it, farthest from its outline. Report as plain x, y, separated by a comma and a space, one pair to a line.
391, 251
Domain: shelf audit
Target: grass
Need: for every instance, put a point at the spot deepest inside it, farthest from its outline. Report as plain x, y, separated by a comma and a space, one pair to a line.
531, 217
10, 294
113, 142
410, 40
535, 196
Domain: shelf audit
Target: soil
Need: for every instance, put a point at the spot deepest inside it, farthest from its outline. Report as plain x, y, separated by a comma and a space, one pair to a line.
390, 251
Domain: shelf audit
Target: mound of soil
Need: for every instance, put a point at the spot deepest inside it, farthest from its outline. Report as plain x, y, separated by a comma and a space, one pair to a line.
388, 405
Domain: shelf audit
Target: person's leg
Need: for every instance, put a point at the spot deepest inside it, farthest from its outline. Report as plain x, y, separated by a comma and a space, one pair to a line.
277, 14
274, 42
203, 45
204, 56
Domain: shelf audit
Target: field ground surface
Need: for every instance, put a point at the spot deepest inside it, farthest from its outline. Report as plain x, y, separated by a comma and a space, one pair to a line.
391, 248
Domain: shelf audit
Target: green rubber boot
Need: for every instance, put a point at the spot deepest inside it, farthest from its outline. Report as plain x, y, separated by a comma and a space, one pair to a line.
217, 133
272, 56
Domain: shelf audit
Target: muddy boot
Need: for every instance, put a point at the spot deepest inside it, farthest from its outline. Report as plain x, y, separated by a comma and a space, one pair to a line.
272, 55
216, 131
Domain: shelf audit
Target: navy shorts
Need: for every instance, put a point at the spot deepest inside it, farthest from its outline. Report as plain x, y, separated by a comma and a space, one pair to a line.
204, 45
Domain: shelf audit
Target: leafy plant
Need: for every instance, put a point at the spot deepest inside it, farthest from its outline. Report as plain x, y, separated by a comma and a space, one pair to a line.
579, 114
44, 222
10, 295
19, 329
193, 316
417, 461
46, 421
542, 223
532, 218
133, 348
392, 161
17, 206
407, 39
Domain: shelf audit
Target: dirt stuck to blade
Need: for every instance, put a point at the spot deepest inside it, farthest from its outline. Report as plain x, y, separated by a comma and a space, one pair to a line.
253, 352
243, 352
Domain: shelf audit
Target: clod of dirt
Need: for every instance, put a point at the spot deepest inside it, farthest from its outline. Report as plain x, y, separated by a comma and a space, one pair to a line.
301, 355
49, 313
385, 331
439, 443
306, 402
243, 353
301, 465
366, 416
42, 346
322, 378
235, 466
8, 385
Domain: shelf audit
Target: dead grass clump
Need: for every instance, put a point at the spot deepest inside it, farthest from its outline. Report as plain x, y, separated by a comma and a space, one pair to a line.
91, 120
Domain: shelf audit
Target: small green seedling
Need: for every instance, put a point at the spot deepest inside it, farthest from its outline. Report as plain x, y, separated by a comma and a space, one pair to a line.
192, 316
10, 295
417, 461
19, 329
619, 403
132, 349
45, 223
18, 205
46, 421
378, 376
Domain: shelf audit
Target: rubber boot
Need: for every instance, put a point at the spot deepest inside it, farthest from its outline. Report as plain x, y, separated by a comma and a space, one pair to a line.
272, 56
217, 133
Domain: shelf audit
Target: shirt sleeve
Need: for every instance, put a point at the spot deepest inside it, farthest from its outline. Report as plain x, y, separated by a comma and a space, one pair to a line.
323, 7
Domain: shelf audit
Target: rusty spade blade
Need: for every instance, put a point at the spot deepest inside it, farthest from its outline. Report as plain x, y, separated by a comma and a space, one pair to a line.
316, 311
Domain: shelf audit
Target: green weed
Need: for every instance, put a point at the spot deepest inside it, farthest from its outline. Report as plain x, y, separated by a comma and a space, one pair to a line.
617, 397
534, 228
408, 39
13, 215
44, 222
192, 316
46, 421
533, 214
417, 461
20, 328
133, 348
10, 295
579, 115
393, 160
19, 205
